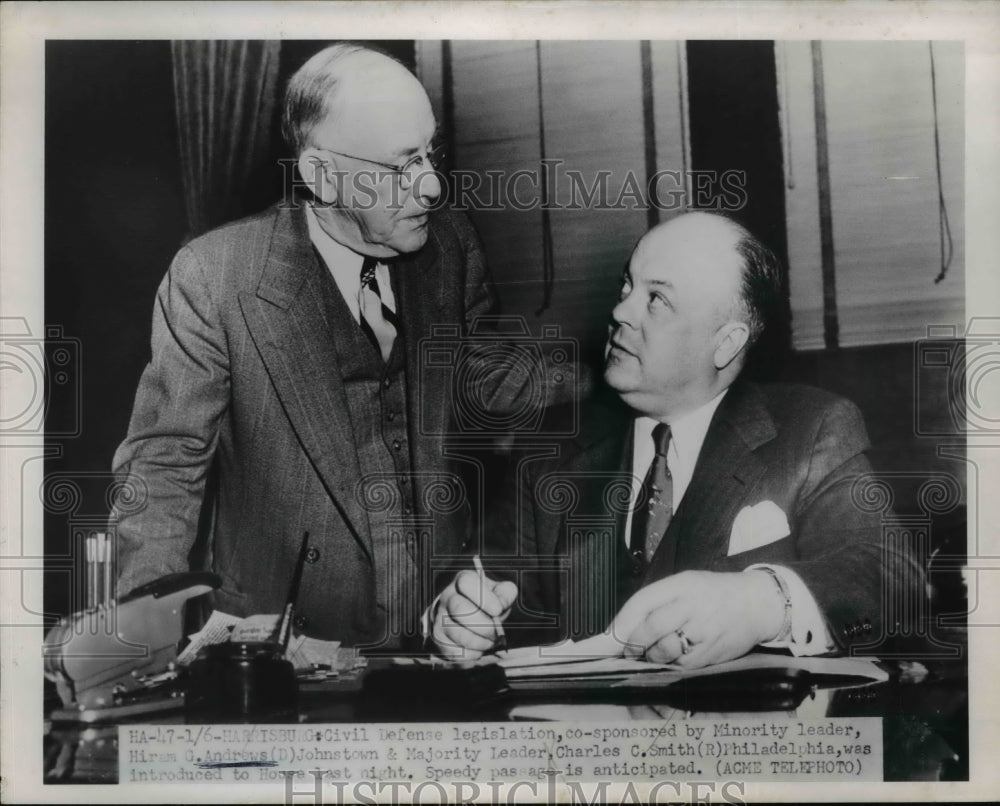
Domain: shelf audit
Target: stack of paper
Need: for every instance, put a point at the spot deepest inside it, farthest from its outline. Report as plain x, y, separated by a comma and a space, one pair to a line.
590, 659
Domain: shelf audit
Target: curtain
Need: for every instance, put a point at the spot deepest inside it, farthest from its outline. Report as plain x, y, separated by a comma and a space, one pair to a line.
224, 93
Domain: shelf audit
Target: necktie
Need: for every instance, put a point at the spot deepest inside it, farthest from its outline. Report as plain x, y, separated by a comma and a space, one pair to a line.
378, 321
650, 522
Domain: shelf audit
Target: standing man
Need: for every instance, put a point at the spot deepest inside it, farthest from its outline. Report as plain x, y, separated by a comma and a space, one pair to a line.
285, 377
742, 527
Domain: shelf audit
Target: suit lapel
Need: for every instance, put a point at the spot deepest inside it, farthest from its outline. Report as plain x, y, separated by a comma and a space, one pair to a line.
289, 327
420, 288
598, 467
725, 471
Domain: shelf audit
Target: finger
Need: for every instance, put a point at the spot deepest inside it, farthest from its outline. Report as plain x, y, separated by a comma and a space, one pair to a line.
668, 649
462, 612
479, 591
640, 605
658, 625
460, 635
506, 593
449, 647
702, 654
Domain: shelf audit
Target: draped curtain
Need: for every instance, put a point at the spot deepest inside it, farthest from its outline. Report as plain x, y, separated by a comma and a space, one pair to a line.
224, 93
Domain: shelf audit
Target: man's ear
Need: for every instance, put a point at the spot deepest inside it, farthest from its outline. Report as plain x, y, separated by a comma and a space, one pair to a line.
319, 173
730, 339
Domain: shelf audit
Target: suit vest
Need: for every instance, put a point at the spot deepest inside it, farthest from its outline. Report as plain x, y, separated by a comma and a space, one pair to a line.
376, 397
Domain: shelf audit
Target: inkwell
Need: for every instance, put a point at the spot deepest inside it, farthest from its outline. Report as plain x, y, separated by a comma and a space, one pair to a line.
252, 679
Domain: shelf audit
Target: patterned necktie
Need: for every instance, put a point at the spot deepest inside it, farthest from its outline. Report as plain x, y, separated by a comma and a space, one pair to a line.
377, 320
650, 523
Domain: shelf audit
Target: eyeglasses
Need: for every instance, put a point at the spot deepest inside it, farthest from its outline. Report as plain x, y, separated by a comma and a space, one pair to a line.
434, 157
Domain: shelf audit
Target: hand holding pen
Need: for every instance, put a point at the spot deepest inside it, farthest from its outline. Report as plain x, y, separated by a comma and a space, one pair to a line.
470, 614
501, 642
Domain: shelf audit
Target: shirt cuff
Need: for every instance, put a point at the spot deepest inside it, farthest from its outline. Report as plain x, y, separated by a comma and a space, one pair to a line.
427, 618
809, 635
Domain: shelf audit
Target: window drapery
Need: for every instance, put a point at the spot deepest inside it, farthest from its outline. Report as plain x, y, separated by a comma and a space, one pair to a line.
225, 94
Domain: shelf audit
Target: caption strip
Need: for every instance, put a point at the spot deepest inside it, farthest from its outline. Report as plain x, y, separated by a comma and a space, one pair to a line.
753, 749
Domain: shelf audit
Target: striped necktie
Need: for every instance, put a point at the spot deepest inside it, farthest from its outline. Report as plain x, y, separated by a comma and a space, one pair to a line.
377, 320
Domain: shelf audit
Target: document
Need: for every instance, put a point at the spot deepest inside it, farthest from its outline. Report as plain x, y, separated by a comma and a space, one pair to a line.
589, 658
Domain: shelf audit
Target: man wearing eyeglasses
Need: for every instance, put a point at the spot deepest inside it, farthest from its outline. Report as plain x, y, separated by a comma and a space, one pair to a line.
285, 394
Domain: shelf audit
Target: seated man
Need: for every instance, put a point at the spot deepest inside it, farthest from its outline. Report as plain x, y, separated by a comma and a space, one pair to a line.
746, 528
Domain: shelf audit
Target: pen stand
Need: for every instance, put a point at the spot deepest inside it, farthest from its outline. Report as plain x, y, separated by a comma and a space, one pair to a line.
235, 681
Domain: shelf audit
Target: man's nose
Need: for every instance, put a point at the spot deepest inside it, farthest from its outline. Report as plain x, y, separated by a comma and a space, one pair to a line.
426, 184
621, 314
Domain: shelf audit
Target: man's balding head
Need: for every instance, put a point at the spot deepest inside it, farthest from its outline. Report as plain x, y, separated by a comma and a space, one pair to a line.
330, 76
693, 301
362, 129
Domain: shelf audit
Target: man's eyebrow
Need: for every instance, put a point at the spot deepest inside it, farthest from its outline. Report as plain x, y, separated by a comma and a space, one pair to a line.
411, 150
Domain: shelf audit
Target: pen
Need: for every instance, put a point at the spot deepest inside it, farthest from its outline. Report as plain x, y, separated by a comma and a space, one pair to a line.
90, 546
501, 642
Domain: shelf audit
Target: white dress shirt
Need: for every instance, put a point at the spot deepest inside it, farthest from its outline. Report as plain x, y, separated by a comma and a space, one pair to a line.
809, 635
345, 266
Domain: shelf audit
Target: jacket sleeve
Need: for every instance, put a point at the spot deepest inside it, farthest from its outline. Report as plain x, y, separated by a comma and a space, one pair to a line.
854, 568
164, 461
514, 372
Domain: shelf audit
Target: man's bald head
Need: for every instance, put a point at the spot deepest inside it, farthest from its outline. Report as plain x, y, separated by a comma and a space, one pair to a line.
719, 241
708, 243
332, 79
691, 304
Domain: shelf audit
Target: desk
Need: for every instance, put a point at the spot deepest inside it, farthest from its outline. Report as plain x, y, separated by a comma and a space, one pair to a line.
924, 711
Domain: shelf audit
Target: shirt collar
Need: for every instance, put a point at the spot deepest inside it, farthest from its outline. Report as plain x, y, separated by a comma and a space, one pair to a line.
687, 432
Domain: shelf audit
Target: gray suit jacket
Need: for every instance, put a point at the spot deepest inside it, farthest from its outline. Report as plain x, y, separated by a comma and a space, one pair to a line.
801, 448
243, 386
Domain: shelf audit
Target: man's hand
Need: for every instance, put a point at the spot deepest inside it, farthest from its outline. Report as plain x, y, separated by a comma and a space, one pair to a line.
469, 614
696, 618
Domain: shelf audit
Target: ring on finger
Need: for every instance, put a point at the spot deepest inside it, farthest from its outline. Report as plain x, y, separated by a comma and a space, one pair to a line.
685, 641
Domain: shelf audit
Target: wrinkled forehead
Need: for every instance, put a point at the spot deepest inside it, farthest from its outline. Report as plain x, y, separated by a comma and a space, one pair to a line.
696, 253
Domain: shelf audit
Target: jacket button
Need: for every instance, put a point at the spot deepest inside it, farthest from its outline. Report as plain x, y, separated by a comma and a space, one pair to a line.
312, 555
300, 621
396, 444
638, 562
387, 382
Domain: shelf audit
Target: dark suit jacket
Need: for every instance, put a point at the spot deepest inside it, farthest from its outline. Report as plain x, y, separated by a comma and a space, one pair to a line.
798, 447
244, 375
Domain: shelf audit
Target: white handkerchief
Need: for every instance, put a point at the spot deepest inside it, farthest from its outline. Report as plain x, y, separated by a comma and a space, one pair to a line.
757, 526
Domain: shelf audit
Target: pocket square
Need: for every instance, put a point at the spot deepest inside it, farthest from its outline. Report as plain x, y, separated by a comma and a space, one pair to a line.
757, 526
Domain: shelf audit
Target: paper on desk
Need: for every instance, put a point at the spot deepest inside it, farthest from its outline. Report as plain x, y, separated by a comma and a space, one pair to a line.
587, 667
835, 667
581, 658
217, 629
256, 629
589, 649
303, 652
